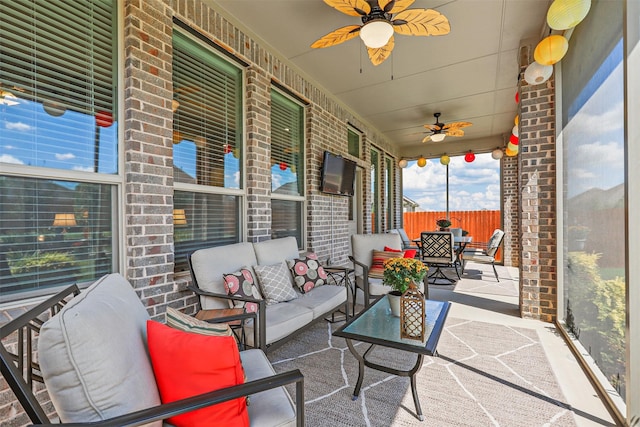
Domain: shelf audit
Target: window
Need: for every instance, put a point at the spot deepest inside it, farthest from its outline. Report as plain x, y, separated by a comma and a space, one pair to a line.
375, 192
594, 283
287, 154
388, 192
353, 140
207, 150
58, 115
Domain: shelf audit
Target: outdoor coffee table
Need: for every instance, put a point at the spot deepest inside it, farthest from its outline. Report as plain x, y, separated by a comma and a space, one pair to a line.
377, 326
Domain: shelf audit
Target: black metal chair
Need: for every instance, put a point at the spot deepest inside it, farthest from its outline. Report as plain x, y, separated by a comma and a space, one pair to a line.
437, 250
21, 372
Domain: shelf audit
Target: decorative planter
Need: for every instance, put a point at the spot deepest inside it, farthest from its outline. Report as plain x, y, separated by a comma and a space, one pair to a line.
394, 302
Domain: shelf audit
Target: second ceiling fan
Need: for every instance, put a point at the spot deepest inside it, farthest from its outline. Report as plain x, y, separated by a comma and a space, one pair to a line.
380, 19
438, 131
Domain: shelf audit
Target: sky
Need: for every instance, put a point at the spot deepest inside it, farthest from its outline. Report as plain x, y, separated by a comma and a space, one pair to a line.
472, 186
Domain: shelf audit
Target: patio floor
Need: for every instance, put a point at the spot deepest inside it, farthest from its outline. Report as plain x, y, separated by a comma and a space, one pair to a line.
477, 296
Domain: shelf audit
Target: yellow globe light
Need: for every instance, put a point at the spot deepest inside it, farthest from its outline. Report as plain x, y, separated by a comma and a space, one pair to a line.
516, 121
422, 162
510, 153
444, 160
551, 50
565, 14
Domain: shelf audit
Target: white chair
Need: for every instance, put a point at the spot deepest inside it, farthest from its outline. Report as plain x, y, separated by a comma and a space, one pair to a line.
484, 253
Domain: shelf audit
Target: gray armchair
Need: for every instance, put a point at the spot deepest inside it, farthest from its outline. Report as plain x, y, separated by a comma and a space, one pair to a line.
362, 247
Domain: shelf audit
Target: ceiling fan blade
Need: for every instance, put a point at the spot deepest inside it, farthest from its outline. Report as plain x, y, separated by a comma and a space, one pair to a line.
433, 127
350, 7
454, 132
456, 125
421, 22
427, 138
338, 36
394, 7
378, 55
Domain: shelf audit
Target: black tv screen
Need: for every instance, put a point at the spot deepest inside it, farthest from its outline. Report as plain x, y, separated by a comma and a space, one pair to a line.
338, 175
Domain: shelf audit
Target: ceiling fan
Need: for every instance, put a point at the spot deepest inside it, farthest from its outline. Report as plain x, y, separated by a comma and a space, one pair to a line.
380, 18
438, 131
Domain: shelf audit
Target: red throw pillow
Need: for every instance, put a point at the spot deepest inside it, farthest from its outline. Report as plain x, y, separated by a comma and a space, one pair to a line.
187, 364
408, 253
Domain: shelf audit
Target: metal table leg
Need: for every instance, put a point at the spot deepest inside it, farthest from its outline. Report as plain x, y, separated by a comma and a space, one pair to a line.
411, 373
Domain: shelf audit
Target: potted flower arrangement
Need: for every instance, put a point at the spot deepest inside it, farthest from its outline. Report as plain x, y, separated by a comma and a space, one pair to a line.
443, 223
398, 274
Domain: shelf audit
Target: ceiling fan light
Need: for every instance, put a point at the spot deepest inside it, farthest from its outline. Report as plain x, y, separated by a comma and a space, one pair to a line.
536, 74
403, 163
376, 33
7, 98
438, 137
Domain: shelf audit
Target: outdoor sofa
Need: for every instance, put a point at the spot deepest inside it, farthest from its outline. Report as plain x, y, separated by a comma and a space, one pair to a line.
279, 319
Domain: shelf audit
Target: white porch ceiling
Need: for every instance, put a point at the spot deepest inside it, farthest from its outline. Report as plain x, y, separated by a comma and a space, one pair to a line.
468, 75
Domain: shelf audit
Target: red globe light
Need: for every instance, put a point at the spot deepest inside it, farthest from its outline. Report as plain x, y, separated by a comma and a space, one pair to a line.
517, 97
283, 166
104, 119
514, 139
469, 157
227, 148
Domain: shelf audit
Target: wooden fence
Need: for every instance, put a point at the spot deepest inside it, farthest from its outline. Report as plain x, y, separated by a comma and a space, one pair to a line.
479, 224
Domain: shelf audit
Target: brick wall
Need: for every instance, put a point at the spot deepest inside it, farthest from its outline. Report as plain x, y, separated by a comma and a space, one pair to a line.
147, 191
537, 189
510, 211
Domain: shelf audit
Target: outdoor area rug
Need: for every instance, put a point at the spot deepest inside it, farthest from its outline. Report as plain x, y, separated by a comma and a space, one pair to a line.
486, 375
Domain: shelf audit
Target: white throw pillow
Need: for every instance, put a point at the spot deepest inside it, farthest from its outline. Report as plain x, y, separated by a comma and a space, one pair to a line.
275, 282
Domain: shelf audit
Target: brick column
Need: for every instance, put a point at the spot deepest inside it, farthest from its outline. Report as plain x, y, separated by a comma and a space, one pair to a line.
148, 150
537, 164
258, 154
510, 211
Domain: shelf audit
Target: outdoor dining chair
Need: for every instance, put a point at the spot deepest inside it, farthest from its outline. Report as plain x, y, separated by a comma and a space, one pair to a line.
437, 250
484, 253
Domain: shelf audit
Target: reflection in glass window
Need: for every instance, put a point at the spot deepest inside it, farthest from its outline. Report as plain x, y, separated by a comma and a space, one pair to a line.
57, 85
207, 121
53, 233
207, 148
287, 154
375, 194
594, 285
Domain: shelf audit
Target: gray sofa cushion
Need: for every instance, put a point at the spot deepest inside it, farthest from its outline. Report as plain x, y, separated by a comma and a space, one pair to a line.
210, 264
282, 319
276, 250
271, 407
93, 354
322, 299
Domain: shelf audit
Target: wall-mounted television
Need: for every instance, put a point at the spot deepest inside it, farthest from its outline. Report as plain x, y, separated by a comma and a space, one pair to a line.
338, 175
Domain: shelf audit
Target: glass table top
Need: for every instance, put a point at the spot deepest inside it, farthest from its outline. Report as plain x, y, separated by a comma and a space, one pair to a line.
378, 326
